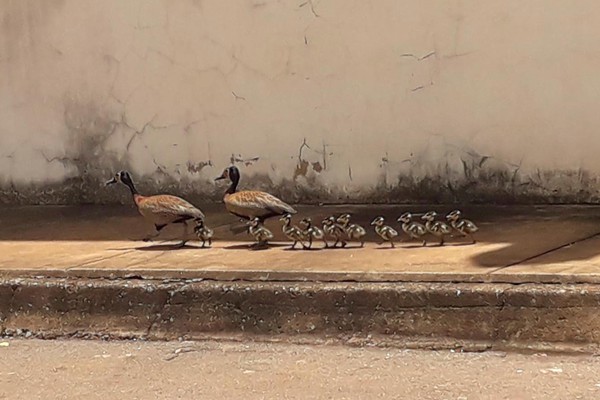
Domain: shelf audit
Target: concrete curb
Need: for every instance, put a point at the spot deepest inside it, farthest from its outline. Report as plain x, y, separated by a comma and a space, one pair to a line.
505, 315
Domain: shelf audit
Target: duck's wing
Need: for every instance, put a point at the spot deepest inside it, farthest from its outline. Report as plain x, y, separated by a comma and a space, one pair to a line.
257, 204
165, 204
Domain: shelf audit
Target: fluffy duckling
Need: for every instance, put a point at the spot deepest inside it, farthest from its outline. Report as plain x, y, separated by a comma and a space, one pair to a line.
261, 234
438, 229
204, 233
334, 230
413, 229
312, 232
354, 231
249, 204
292, 232
161, 210
463, 226
387, 233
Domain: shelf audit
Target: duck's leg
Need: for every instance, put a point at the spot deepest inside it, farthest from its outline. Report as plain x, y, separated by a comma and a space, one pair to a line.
424, 242
294, 245
155, 234
392, 243
185, 235
442, 240
209, 242
362, 242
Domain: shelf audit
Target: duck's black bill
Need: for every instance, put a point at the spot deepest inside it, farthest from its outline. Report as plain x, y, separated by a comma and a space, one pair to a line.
219, 178
110, 182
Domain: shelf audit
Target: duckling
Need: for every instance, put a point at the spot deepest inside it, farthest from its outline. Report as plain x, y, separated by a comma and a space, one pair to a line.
261, 234
438, 229
311, 232
463, 226
204, 233
249, 204
354, 231
413, 229
161, 210
334, 230
387, 233
292, 232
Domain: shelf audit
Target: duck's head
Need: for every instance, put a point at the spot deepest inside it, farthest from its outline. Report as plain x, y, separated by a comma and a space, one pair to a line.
344, 218
453, 215
232, 173
430, 216
328, 221
121, 176
378, 221
199, 224
406, 217
286, 218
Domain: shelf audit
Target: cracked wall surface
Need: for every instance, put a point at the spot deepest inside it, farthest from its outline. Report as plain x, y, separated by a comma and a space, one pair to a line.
316, 101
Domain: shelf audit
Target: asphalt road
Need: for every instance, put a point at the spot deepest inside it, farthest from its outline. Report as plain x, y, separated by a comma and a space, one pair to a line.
72, 369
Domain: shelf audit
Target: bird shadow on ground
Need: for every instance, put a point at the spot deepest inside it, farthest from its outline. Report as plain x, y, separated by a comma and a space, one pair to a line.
251, 246
169, 247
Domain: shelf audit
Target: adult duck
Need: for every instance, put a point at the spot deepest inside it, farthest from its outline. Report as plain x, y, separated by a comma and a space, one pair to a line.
161, 210
250, 204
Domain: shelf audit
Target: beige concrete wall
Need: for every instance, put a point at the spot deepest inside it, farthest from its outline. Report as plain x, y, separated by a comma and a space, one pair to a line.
395, 100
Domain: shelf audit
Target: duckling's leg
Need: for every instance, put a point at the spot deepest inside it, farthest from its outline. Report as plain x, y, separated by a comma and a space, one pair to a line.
294, 245
472, 238
209, 242
424, 242
362, 242
344, 243
442, 240
392, 243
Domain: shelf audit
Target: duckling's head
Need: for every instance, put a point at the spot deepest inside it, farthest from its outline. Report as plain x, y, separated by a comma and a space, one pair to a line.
254, 222
121, 176
430, 216
286, 218
306, 221
378, 221
344, 218
406, 217
199, 224
232, 173
453, 215
329, 221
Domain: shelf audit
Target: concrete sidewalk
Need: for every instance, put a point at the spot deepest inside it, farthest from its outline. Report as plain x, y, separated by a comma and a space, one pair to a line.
74, 271
516, 244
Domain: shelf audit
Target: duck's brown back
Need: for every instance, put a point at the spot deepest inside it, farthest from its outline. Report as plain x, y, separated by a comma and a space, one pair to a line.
251, 204
165, 209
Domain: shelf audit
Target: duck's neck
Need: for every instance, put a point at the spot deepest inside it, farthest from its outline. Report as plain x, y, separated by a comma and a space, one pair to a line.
234, 184
134, 193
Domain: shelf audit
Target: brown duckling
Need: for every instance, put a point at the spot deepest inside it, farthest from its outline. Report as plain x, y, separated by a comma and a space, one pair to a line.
438, 229
292, 232
312, 232
261, 234
461, 225
204, 233
161, 210
249, 204
387, 233
353, 231
413, 229
335, 231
